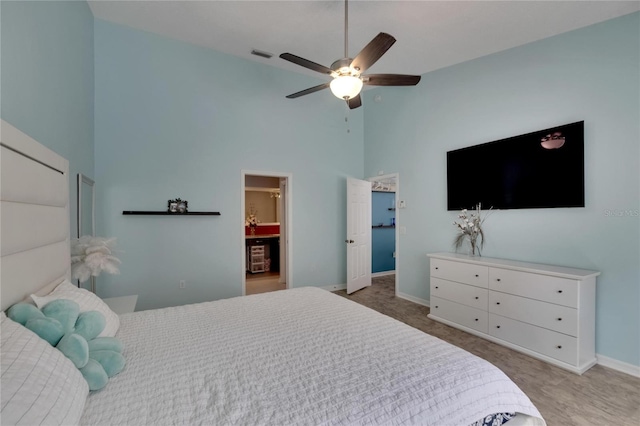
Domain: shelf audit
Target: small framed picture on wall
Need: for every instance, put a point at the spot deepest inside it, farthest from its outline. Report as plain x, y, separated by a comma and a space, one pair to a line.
177, 206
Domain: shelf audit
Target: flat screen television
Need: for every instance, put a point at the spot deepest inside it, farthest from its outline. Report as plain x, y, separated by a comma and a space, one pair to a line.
542, 169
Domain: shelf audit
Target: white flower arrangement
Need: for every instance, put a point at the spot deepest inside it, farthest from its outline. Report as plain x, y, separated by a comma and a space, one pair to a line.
251, 219
92, 255
470, 227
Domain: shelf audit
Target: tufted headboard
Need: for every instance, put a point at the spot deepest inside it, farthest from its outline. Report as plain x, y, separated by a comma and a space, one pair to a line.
34, 217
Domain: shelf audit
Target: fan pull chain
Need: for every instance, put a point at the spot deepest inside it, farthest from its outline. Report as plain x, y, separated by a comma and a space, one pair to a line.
346, 117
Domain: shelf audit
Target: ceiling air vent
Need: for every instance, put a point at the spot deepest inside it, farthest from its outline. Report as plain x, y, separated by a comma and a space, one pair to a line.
261, 53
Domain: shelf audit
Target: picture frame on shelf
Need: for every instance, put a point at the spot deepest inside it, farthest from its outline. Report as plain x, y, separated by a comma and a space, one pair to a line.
177, 206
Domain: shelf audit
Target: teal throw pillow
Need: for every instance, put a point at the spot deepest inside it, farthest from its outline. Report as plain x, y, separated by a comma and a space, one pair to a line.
47, 328
74, 333
65, 311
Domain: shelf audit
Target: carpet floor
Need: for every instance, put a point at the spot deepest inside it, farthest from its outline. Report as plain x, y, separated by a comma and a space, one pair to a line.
600, 396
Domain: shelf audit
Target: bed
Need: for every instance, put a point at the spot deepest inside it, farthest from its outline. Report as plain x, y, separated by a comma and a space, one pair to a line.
301, 356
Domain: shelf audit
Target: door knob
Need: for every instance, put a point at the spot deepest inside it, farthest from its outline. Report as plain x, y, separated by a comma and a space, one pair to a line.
349, 241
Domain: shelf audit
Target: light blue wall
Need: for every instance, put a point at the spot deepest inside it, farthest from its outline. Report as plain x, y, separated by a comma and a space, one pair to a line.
47, 79
383, 240
591, 74
175, 120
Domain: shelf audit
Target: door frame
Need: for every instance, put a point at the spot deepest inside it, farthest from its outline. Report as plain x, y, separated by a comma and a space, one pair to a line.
396, 176
288, 202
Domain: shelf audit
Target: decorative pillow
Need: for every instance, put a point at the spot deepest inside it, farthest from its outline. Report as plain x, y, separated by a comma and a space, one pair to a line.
97, 364
87, 301
39, 384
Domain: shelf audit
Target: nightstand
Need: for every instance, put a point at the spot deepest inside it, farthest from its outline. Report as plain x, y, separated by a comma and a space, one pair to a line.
123, 304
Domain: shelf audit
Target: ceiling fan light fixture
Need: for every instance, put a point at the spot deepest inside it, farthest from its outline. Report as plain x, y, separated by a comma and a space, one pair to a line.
347, 72
346, 86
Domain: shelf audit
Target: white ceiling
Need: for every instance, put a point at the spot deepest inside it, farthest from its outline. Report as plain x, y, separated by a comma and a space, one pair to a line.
430, 34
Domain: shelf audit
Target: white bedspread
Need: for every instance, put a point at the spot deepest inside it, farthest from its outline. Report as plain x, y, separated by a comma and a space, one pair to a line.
295, 357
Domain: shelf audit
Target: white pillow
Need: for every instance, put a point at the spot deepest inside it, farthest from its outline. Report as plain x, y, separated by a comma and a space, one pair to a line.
39, 384
87, 301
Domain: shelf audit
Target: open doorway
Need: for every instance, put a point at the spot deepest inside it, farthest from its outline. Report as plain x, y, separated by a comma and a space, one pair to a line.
385, 223
266, 222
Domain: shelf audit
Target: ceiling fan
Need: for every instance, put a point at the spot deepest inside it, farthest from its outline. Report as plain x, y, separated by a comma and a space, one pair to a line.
347, 73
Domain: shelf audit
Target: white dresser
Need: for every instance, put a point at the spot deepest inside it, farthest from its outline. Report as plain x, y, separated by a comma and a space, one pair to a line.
545, 311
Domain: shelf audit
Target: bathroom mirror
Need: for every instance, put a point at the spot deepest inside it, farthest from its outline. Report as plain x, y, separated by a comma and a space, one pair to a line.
264, 201
86, 206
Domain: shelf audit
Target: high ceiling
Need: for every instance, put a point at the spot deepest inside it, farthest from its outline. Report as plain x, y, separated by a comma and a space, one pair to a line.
430, 34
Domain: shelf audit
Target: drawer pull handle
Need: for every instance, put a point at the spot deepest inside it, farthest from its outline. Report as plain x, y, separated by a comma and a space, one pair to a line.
476, 319
559, 291
559, 347
497, 326
477, 297
436, 267
436, 307
497, 303
559, 319
436, 286
477, 275
498, 279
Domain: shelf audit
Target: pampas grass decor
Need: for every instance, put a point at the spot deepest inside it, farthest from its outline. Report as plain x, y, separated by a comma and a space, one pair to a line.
92, 255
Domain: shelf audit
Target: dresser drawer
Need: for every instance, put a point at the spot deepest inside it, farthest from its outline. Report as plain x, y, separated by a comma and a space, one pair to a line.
461, 272
555, 345
543, 314
462, 293
560, 291
460, 314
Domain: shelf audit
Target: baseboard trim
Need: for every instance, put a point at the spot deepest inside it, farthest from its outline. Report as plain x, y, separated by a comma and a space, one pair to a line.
383, 273
614, 364
334, 287
419, 301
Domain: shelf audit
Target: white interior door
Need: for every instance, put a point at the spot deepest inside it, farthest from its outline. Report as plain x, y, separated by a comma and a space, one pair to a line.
358, 234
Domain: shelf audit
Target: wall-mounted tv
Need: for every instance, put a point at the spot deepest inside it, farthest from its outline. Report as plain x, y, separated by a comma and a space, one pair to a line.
541, 169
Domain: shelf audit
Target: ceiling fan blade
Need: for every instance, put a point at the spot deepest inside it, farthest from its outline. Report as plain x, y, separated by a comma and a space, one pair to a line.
355, 102
390, 80
309, 90
373, 51
306, 63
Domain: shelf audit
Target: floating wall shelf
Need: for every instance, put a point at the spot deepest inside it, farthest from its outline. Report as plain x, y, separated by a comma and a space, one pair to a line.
383, 226
155, 213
